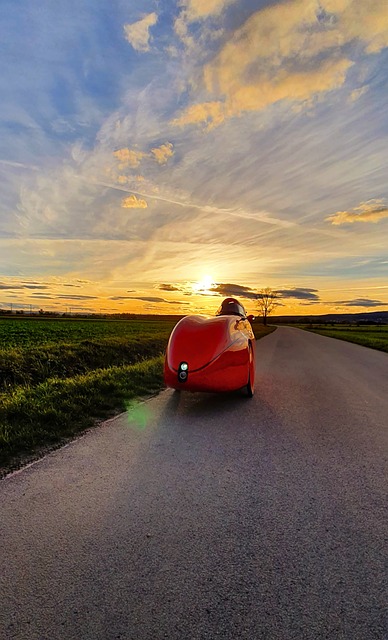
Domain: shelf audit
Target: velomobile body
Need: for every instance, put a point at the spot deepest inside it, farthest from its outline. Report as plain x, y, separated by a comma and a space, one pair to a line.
207, 353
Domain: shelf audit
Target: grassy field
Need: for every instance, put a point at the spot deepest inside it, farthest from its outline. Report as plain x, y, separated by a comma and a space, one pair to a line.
59, 376
36, 332
34, 350
375, 337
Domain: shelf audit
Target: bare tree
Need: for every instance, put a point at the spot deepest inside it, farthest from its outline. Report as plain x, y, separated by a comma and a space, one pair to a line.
267, 302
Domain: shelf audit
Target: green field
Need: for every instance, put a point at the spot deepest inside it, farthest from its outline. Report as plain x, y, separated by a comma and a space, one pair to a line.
375, 337
33, 350
59, 376
31, 332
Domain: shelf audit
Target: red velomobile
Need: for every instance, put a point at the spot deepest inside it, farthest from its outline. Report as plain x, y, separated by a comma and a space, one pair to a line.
206, 353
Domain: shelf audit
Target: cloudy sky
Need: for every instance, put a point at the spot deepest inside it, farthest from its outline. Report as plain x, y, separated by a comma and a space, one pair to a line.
157, 155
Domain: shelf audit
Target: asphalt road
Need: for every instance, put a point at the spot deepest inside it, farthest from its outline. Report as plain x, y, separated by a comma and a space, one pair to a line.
201, 516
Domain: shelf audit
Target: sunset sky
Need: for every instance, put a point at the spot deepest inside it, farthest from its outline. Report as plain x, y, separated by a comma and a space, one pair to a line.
159, 154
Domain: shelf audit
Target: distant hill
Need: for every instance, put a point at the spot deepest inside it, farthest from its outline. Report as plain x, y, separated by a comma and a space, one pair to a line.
363, 317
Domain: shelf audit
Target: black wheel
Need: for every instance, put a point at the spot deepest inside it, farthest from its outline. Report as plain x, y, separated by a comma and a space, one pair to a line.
250, 388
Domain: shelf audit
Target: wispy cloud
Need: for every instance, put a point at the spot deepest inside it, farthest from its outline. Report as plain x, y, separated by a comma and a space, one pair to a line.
70, 297
138, 33
299, 293
370, 211
361, 302
194, 11
357, 93
44, 296
153, 299
11, 287
168, 287
229, 289
200, 9
53, 296
22, 286
258, 216
19, 165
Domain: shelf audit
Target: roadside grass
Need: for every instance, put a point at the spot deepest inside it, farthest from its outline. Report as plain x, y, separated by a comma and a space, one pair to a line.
55, 410
53, 392
374, 337
34, 366
260, 330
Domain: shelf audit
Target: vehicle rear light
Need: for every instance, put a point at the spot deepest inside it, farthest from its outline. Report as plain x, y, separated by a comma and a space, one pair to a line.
183, 372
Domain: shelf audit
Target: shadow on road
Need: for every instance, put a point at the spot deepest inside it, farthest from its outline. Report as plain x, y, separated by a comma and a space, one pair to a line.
204, 404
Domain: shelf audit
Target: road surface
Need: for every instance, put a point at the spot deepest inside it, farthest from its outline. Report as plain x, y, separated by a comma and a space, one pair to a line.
199, 517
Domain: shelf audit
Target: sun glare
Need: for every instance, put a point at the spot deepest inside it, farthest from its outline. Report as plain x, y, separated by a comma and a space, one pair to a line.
204, 285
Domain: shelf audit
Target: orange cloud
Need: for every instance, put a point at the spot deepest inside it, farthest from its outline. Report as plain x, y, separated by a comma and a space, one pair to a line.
292, 51
132, 202
132, 158
128, 157
297, 86
208, 113
163, 153
371, 211
200, 9
366, 21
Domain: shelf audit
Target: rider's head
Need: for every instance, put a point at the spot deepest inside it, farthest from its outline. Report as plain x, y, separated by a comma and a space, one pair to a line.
231, 307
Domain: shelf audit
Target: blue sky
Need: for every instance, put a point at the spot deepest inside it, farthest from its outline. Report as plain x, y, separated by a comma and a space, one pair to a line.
228, 143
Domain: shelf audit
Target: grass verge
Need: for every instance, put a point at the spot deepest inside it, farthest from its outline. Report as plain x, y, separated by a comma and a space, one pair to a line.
45, 412
372, 337
260, 330
30, 367
55, 410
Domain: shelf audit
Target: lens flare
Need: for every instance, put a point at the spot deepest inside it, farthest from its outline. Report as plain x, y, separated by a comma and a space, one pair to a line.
139, 415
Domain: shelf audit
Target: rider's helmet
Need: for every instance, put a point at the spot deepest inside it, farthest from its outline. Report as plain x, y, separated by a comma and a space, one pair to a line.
231, 307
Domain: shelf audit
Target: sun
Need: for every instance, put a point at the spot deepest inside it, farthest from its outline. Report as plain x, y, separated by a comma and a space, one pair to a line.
204, 285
